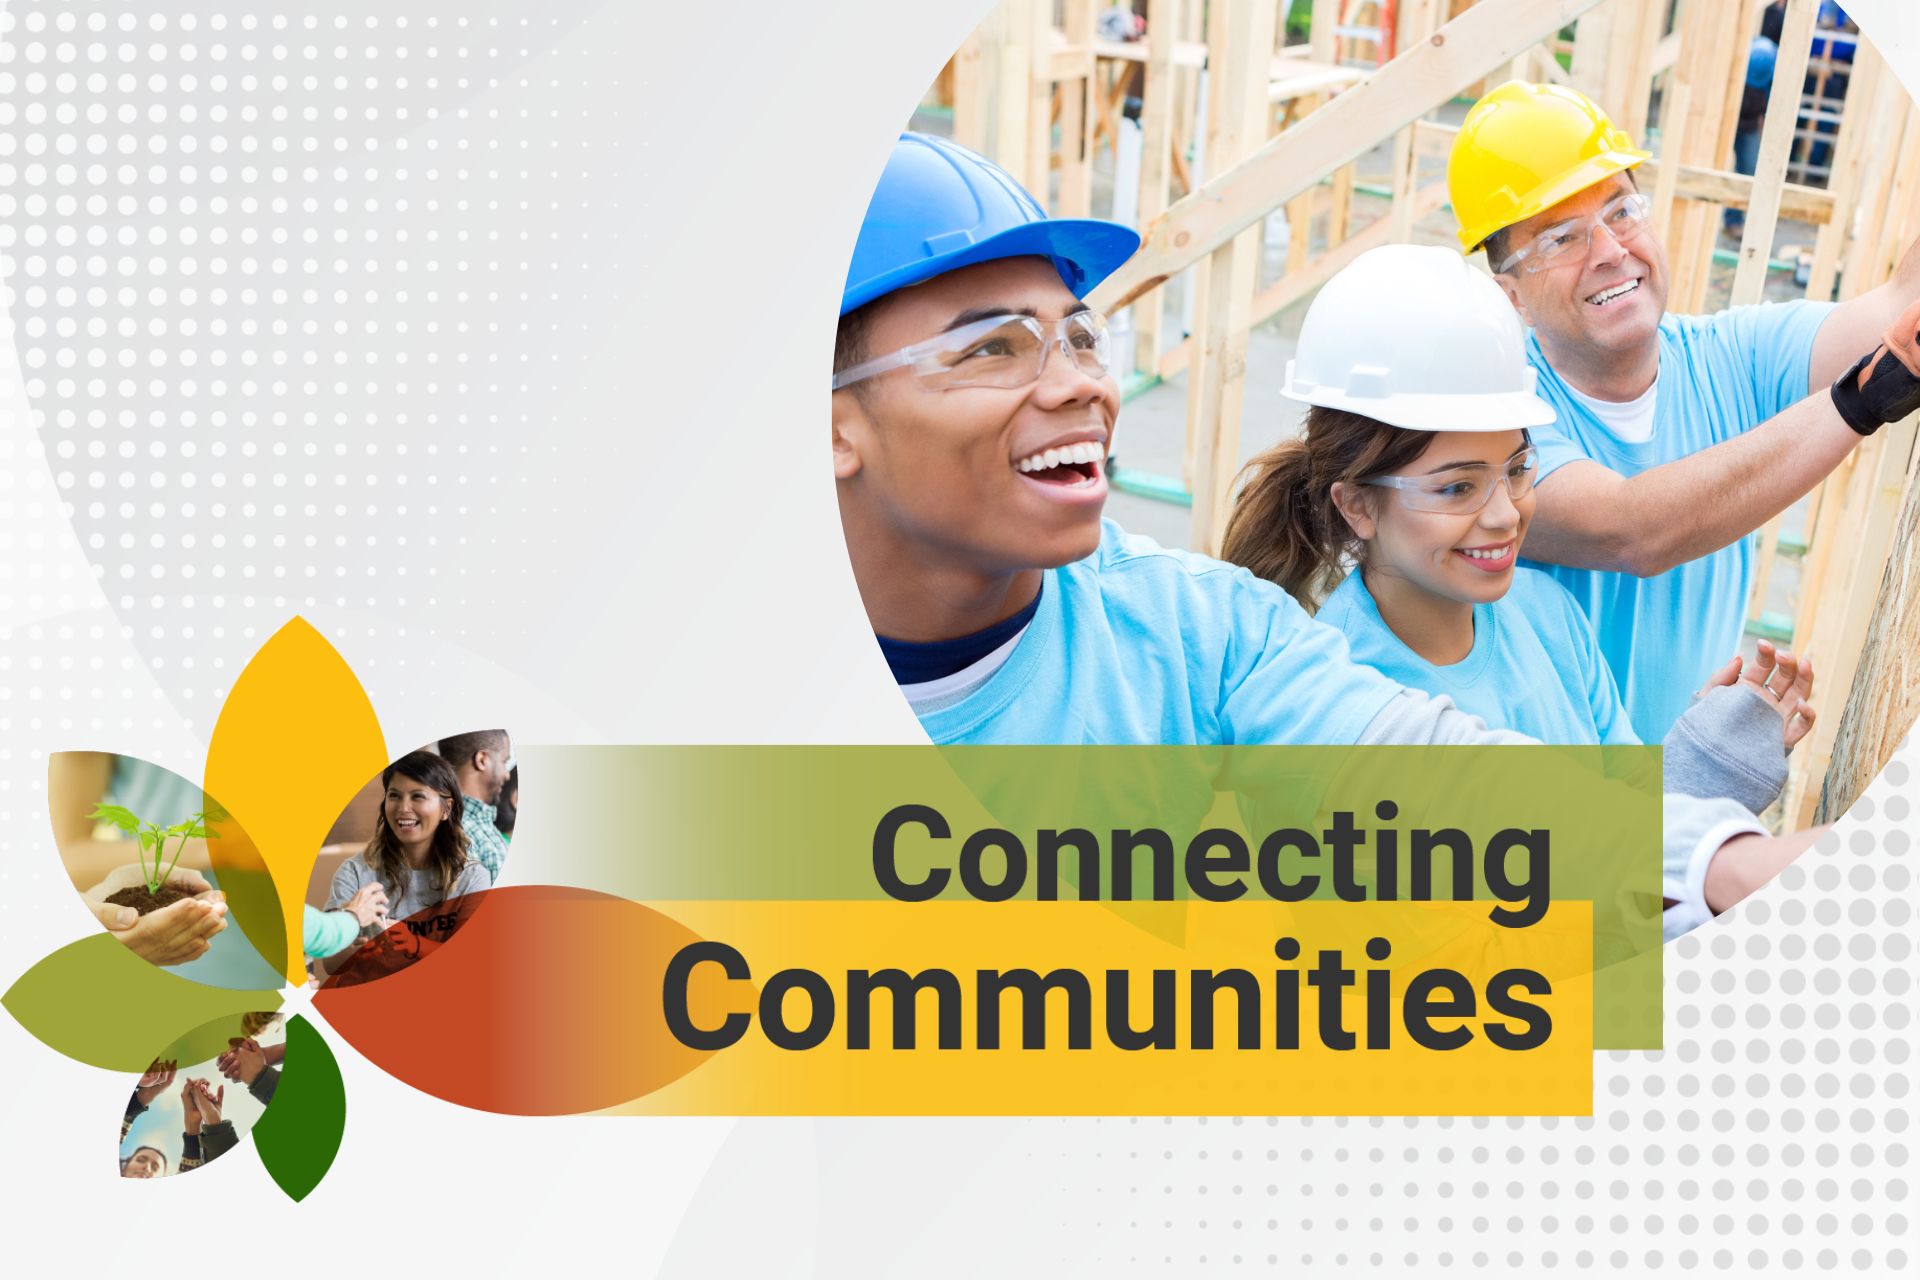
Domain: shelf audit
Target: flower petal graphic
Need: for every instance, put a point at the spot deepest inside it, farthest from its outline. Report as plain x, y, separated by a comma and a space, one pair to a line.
300, 1134
549, 1002
296, 701
100, 1004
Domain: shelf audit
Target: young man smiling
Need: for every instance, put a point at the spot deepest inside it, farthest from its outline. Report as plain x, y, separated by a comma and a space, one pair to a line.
973, 403
1676, 437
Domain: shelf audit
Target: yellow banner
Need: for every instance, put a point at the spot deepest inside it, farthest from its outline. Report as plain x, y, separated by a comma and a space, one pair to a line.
1035, 1008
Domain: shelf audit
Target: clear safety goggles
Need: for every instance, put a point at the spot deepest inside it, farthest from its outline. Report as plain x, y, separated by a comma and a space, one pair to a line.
1465, 490
1623, 218
1000, 351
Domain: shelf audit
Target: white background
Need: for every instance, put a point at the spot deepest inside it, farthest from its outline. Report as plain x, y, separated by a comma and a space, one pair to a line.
602, 512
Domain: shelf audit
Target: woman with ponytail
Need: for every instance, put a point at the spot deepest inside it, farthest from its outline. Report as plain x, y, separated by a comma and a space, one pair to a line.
1400, 512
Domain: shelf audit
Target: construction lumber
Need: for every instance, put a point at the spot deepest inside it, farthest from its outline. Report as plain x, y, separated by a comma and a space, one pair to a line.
1295, 286
1465, 50
1237, 118
1776, 140
1856, 613
1076, 114
1884, 695
1156, 161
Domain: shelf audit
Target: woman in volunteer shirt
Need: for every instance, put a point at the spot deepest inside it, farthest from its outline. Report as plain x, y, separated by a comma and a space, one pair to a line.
1416, 470
418, 854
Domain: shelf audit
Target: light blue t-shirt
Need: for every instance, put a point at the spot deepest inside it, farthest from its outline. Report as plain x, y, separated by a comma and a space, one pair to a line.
1534, 667
1137, 644
1720, 375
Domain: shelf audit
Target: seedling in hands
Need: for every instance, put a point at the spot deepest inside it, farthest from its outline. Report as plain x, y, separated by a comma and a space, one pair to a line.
153, 840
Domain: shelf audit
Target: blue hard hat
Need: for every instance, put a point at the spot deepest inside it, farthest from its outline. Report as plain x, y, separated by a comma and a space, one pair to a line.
940, 207
1760, 59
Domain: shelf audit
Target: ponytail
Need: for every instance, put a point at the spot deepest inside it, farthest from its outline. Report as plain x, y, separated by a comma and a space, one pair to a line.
1281, 530
1284, 525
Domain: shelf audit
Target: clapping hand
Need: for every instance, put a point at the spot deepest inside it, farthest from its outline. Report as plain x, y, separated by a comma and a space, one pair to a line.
155, 1080
190, 1106
207, 1100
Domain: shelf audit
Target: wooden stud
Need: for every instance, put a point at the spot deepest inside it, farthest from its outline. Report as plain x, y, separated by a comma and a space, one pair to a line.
1776, 140
1839, 635
1418, 21
1077, 114
1320, 37
1039, 84
969, 93
1240, 42
1851, 152
1593, 49
1300, 212
1157, 144
1885, 695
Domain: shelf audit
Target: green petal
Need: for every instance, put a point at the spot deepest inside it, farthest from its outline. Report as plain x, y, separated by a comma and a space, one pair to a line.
100, 1004
299, 1134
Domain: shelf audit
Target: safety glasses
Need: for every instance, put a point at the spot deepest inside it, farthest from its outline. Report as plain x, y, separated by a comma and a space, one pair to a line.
1465, 490
1000, 351
1623, 218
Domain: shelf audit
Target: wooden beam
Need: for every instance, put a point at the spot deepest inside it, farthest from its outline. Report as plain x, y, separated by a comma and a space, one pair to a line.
1880, 707
1839, 635
970, 94
1240, 40
1320, 39
1294, 286
1157, 144
1851, 150
1465, 50
1418, 21
1009, 33
1077, 114
1776, 140
1593, 49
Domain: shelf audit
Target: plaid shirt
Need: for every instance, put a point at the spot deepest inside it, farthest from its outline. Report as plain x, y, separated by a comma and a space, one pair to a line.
484, 840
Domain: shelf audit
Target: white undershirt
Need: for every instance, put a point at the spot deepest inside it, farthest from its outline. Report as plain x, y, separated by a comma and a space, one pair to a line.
932, 695
1628, 421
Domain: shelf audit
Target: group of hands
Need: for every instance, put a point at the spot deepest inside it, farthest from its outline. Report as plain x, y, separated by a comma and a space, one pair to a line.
184, 930
242, 1063
200, 1102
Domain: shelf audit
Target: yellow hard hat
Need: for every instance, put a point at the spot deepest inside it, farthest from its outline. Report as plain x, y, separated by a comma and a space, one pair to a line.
1526, 147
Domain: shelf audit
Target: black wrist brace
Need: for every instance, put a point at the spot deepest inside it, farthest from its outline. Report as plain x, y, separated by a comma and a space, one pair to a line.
1891, 393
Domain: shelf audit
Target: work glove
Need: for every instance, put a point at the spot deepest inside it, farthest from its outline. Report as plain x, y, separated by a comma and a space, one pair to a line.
1885, 385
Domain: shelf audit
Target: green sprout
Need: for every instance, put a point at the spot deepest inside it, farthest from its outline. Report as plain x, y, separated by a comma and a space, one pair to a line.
153, 837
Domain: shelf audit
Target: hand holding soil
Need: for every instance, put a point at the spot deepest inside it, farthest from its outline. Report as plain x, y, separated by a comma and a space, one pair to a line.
174, 934
123, 896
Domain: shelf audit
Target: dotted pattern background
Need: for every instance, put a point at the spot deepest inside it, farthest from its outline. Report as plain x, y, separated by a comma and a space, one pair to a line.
319, 312
293, 297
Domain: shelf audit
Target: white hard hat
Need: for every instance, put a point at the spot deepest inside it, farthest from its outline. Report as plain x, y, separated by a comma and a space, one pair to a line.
1416, 337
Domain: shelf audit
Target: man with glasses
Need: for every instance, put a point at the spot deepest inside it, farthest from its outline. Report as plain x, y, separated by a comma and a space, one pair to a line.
973, 403
1676, 436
